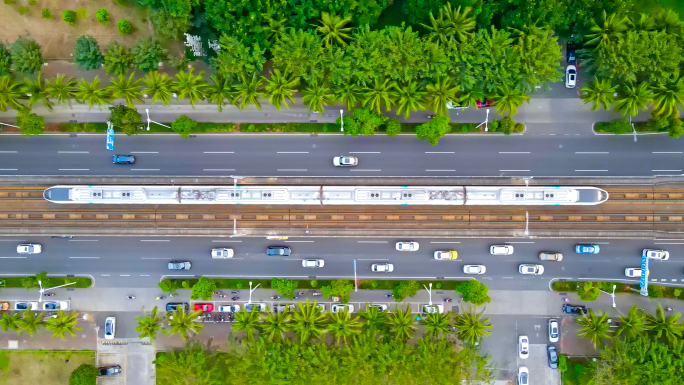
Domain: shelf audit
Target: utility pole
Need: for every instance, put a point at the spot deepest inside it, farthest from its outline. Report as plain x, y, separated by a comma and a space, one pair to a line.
251, 290
342, 120
429, 294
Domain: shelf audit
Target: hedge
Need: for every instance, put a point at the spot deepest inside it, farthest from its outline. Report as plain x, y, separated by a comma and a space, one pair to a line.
81, 282
224, 283
654, 291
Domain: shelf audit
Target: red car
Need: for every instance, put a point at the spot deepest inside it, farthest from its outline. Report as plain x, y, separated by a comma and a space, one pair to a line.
205, 307
485, 103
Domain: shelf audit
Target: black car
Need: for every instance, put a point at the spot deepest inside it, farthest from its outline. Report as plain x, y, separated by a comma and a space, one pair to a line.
173, 306
574, 309
572, 53
283, 251
123, 159
109, 370
553, 357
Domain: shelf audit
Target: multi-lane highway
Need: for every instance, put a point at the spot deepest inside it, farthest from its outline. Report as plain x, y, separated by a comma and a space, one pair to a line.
142, 262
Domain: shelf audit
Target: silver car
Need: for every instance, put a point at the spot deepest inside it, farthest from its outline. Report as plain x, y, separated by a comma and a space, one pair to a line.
179, 265
313, 263
382, 267
530, 269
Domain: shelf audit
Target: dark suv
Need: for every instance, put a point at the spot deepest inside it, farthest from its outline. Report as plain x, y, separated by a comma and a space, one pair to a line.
173, 306
282, 251
123, 159
574, 309
109, 370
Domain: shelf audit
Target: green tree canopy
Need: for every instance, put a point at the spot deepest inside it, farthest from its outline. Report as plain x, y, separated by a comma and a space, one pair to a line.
204, 287
30, 123
83, 375
128, 119
117, 59
405, 289
5, 60
285, 287
338, 288
147, 54
235, 59
87, 54
362, 122
434, 130
27, 57
474, 292
298, 52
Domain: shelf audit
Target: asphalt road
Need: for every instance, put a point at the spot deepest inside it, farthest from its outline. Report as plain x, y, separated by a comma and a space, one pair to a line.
142, 262
305, 155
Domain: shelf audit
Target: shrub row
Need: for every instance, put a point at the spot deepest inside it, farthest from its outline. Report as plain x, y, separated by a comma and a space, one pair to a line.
654, 291
81, 282
223, 283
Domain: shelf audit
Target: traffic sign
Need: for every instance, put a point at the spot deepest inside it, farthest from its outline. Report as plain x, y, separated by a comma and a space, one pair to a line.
110, 136
643, 280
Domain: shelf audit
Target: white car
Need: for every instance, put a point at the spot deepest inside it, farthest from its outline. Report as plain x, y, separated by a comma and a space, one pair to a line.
433, 309
407, 246
29, 248
56, 305
634, 272
26, 306
313, 263
445, 255
554, 330
382, 267
257, 307
345, 161
229, 308
523, 347
530, 269
380, 306
523, 376
654, 254
110, 328
474, 269
321, 307
338, 307
222, 253
501, 250
570, 76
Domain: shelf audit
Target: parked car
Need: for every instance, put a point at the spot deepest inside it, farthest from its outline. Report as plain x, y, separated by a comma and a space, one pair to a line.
570, 76
29, 248
173, 306
257, 307
587, 249
281, 251
554, 330
56, 305
123, 159
407, 246
26, 306
501, 250
4, 306
338, 307
222, 253
380, 306
550, 256
313, 263
531, 269
474, 269
179, 265
110, 328
523, 376
634, 272
229, 308
433, 309
446, 255
523, 347
382, 267
572, 53
204, 307
484, 103
114, 370
553, 357
574, 309
345, 161
656, 254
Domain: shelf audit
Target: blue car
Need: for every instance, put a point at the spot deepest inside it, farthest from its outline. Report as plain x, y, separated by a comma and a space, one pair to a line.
587, 249
123, 159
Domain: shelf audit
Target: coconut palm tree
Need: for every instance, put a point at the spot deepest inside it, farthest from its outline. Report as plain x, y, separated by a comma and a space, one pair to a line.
664, 327
281, 87
643, 23
275, 325
610, 31
441, 30
317, 95
159, 87
333, 29
219, 91
436, 324
342, 326
128, 89
439, 93
308, 321
668, 21
508, 99
471, 327
462, 22
275, 28
632, 325
149, 324
191, 85
378, 94
92, 94
632, 98
184, 323
667, 96
247, 322
37, 91
409, 97
30, 322
599, 92
402, 324
249, 91
10, 94
9, 321
375, 319
471, 97
64, 323
350, 94
594, 327
63, 89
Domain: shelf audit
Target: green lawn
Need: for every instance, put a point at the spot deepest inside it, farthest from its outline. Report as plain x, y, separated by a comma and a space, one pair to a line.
81, 283
42, 367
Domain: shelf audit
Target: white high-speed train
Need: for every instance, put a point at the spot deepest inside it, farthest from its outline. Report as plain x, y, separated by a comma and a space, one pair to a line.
328, 195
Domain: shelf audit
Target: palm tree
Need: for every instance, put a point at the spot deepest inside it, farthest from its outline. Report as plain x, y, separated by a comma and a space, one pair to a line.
471, 97
275, 28
317, 95
402, 324
10, 93
599, 92
439, 93
249, 91
632, 98
378, 94
668, 21
631, 326
9, 321
593, 327
610, 31
149, 325
436, 324
159, 86
220, 91
440, 28
342, 326
508, 99
664, 327
275, 325
128, 89
308, 321
644, 23
462, 23
30, 322
667, 96
63, 89
281, 88
247, 322
37, 90
471, 327
375, 319
64, 323
92, 94
350, 94
333, 29
183, 323
193, 86
409, 97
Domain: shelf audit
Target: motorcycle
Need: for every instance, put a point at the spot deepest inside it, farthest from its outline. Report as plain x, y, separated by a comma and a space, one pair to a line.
217, 292
669, 309
235, 292
431, 116
130, 297
173, 295
389, 295
301, 293
276, 297
316, 293
48, 295
447, 299
160, 297
235, 298
295, 297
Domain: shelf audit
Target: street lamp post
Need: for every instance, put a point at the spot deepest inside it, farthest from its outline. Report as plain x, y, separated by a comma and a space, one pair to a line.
5, 124
251, 290
429, 294
612, 296
342, 120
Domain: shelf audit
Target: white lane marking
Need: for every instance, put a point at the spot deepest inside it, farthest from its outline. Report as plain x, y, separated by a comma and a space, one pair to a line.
124, 275
104, 275
8, 152
514, 152
219, 152
666, 170
591, 152
74, 169
292, 152
596, 243
144, 152
591, 170
227, 241
663, 280
366, 170
372, 241
12, 257
155, 240
12, 240
153, 258
666, 152
374, 259
83, 240
219, 169
292, 169
365, 152
673, 280
73, 152
144, 169
440, 152
84, 257
518, 242
445, 242
9, 169
515, 170
286, 241
441, 170
673, 243
144, 275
